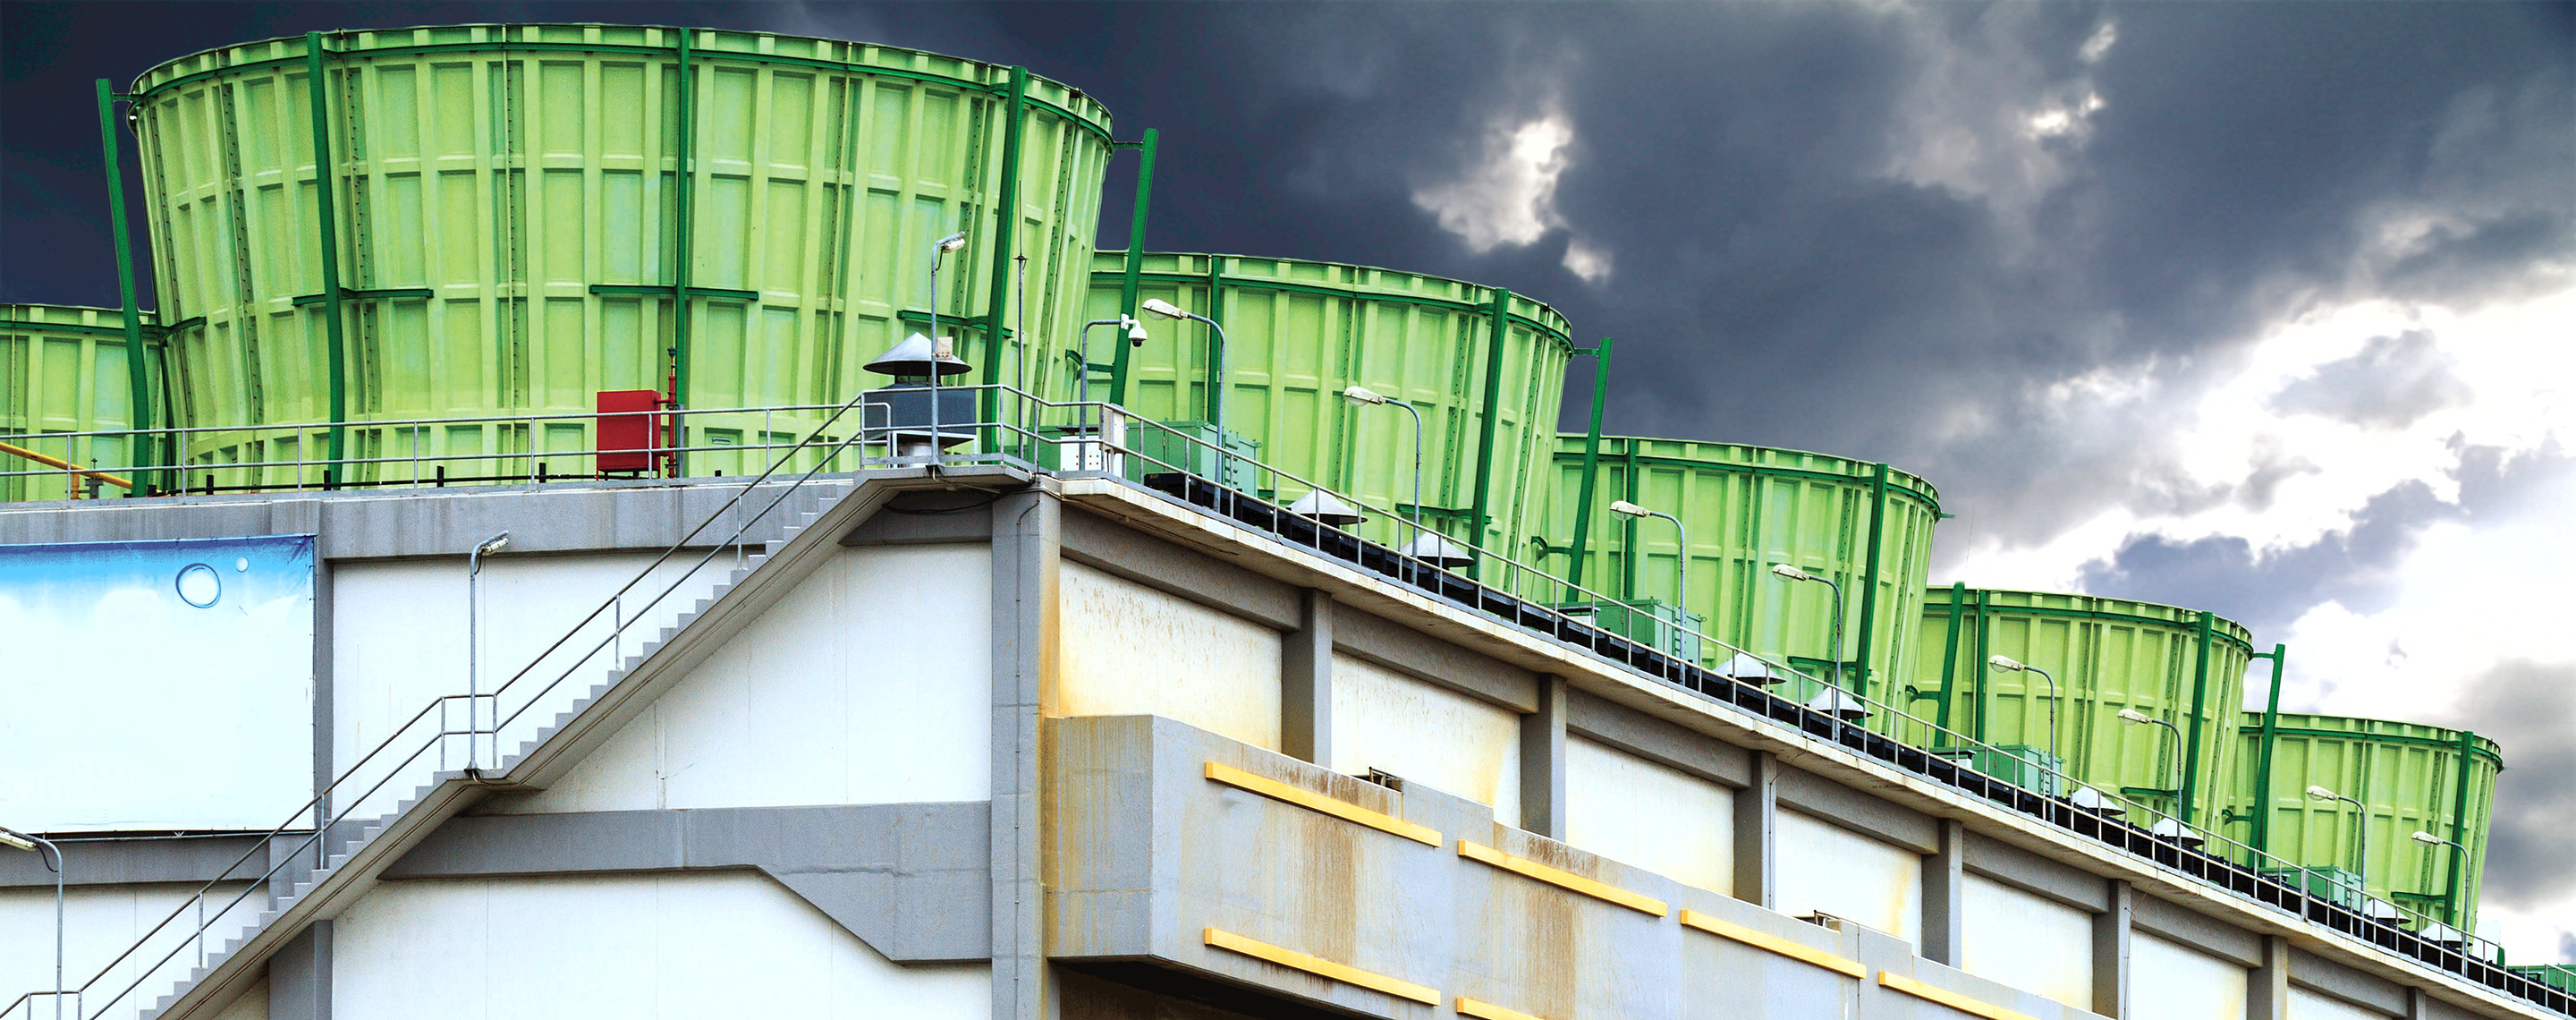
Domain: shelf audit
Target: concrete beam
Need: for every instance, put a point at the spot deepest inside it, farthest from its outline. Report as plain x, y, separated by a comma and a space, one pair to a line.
1945, 895
2032, 873
1417, 654
299, 976
124, 860
910, 880
1101, 543
1656, 740
1306, 682
1543, 761
1757, 833
1028, 557
1858, 811
2111, 964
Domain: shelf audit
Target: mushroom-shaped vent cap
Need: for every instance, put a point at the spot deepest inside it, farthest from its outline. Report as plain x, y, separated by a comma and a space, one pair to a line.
1437, 551
1326, 507
914, 357
1746, 667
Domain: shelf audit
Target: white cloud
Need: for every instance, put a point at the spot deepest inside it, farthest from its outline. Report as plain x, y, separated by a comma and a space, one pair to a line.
1985, 118
1508, 197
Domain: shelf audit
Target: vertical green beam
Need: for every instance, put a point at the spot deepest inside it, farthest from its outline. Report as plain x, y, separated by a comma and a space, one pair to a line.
1006, 217
137, 389
685, 257
1978, 670
1949, 663
1628, 525
2451, 905
1215, 413
1869, 576
1485, 442
2263, 763
1591, 467
323, 181
1135, 264
2199, 695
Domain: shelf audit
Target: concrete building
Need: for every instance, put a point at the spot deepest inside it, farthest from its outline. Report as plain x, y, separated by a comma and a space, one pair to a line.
987, 741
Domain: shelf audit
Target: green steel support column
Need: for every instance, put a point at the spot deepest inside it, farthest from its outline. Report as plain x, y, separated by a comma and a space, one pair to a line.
2263, 766
1006, 216
2191, 746
1216, 347
1135, 264
137, 388
1949, 663
323, 181
2459, 832
1628, 537
684, 212
1477, 517
1869, 577
1591, 466
1978, 670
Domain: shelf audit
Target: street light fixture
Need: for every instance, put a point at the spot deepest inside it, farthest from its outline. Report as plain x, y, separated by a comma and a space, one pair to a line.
16, 840
1681, 564
938, 248
2007, 664
2361, 868
1216, 367
474, 638
2137, 718
1795, 574
1364, 395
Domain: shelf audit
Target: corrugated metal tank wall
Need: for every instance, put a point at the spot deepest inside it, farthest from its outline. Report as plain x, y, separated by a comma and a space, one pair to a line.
1746, 508
2107, 654
1302, 332
63, 369
508, 217
2409, 774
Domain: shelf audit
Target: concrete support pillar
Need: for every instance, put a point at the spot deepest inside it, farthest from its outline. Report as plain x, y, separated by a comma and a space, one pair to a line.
1543, 761
1945, 892
2111, 952
2419, 1006
1306, 682
1028, 552
299, 976
2267, 990
1757, 841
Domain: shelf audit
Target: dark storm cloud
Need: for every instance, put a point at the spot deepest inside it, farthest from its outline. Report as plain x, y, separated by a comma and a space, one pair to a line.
2393, 381
2530, 710
2267, 589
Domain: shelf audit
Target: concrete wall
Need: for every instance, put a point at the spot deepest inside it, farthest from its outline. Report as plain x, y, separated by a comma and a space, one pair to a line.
2176, 982
1428, 734
2028, 941
1129, 649
669, 945
2311, 1005
1825, 868
868, 683
99, 922
398, 630
1649, 815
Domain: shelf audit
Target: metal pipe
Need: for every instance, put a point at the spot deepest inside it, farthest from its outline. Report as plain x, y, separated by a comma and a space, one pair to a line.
1869, 575
2199, 708
2263, 768
57, 462
2452, 907
1006, 219
1591, 467
23, 841
1135, 261
1020, 346
137, 388
318, 91
686, 220
1949, 657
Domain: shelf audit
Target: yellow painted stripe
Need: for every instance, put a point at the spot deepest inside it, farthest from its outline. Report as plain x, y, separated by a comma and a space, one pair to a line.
1561, 878
1946, 997
1770, 943
1321, 967
1316, 802
1489, 1011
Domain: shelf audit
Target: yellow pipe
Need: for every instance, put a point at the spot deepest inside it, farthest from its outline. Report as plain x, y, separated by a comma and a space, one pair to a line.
66, 465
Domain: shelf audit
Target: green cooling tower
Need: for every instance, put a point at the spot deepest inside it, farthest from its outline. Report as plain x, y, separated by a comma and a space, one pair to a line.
2183, 667
1865, 526
63, 369
517, 216
1485, 367
2415, 778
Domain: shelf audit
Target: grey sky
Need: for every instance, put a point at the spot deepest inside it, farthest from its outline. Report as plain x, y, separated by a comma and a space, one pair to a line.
2042, 255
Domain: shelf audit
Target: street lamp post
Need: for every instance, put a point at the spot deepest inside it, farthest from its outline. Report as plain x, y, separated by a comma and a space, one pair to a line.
1216, 371
22, 841
2361, 842
1681, 564
2007, 664
1795, 574
1365, 395
2450, 908
2137, 718
938, 248
474, 640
